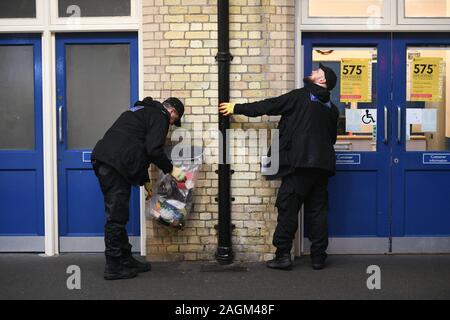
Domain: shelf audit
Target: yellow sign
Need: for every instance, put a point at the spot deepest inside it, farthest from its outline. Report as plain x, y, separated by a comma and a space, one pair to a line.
427, 80
356, 80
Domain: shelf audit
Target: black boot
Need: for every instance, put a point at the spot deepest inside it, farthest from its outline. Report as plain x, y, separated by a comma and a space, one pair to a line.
135, 265
114, 270
282, 261
318, 261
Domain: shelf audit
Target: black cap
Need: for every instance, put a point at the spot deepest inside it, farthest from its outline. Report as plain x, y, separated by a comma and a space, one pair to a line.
178, 105
330, 76
148, 100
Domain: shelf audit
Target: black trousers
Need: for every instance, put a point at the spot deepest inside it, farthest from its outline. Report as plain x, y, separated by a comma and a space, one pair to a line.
116, 193
308, 187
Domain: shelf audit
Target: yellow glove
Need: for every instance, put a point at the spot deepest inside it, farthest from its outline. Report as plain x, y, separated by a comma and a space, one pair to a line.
178, 174
226, 108
148, 190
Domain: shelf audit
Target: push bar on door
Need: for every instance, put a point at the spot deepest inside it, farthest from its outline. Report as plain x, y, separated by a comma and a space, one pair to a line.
60, 130
399, 123
385, 140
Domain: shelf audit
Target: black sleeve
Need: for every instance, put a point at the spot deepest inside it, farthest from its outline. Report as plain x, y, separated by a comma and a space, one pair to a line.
281, 105
154, 143
162, 162
336, 112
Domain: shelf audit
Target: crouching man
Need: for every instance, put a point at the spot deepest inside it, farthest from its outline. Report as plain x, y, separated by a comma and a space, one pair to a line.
121, 159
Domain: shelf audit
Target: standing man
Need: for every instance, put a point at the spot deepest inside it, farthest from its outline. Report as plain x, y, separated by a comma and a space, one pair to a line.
308, 131
121, 159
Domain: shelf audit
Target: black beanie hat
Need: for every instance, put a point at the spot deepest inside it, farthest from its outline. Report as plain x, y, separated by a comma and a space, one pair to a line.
330, 76
178, 105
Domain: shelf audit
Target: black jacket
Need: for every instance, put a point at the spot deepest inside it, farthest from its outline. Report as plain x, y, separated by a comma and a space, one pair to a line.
135, 140
308, 130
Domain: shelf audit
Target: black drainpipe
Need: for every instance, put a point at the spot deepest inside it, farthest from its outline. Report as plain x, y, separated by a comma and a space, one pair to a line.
224, 254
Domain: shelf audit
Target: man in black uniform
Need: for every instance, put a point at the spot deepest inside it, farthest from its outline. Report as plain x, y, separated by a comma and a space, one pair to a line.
308, 131
121, 159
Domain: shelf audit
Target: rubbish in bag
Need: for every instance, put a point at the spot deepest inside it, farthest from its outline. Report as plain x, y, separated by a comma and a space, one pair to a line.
172, 201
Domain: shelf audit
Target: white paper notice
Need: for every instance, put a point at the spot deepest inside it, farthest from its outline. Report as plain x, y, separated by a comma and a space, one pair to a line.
352, 120
429, 120
413, 116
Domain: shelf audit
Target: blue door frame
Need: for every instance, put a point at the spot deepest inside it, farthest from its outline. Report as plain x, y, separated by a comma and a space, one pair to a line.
421, 206
21, 171
359, 194
412, 207
81, 209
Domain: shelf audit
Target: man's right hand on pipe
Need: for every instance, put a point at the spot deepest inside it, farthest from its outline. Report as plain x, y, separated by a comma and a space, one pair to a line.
226, 108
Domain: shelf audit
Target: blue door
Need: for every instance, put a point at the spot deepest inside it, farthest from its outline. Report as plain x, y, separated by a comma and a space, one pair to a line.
21, 162
97, 79
391, 190
421, 149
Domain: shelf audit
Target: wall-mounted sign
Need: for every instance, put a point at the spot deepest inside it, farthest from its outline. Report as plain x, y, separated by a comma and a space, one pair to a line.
426, 79
436, 158
356, 80
348, 158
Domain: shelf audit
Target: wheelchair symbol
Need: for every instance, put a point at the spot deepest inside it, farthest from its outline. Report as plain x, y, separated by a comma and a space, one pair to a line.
367, 118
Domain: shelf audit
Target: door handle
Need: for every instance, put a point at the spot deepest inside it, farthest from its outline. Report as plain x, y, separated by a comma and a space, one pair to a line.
399, 123
60, 130
385, 140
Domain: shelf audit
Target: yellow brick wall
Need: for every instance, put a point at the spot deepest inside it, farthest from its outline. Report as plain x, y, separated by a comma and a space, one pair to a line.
180, 43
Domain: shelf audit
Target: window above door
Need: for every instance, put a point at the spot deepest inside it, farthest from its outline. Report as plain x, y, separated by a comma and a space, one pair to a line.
433, 12
345, 12
96, 8
94, 12
72, 15
11, 9
21, 12
389, 15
